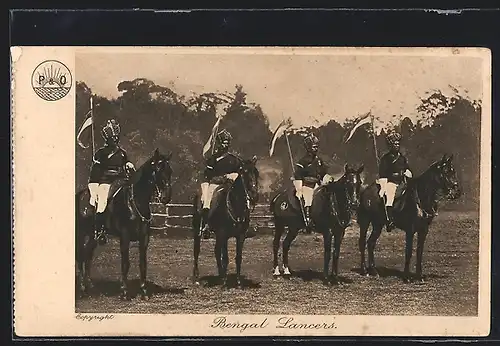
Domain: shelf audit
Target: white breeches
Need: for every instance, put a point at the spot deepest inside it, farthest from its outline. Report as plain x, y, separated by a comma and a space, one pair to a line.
207, 192
308, 193
302, 191
99, 194
389, 190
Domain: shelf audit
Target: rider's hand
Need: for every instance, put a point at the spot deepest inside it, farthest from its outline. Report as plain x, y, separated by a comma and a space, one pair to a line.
232, 176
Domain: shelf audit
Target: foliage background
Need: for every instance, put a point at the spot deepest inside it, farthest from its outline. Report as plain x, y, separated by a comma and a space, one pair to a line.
155, 116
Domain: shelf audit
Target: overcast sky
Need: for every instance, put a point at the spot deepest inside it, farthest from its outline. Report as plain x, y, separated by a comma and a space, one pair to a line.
311, 89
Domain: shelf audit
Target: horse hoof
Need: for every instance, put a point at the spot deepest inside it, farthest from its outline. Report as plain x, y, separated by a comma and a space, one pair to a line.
326, 282
420, 281
197, 283
334, 282
145, 296
407, 280
373, 272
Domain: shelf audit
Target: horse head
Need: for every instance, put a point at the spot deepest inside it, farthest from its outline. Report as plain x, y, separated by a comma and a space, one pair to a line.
446, 177
352, 183
250, 179
161, 173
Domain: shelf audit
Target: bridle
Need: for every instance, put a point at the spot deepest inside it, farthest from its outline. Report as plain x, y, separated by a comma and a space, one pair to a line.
155, 181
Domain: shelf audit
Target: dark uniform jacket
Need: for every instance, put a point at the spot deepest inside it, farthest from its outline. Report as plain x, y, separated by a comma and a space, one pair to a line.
219, 165
109, 165
392, 167
310, 169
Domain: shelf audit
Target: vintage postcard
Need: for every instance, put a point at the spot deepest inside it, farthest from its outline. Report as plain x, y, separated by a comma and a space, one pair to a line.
236, 191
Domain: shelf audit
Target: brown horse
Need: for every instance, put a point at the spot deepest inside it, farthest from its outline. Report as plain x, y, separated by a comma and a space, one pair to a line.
413, 213
153, 178
230, 218
332, 204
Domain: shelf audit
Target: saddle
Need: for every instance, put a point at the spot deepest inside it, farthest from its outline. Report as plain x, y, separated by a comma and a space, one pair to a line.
289, 196
400, 197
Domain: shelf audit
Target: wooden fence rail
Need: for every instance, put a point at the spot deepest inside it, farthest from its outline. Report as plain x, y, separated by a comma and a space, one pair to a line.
163, 213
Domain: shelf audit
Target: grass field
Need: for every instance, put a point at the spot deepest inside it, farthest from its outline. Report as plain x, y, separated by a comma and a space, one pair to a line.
450, 265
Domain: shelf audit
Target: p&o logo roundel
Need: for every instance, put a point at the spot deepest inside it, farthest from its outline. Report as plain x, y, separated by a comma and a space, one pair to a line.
51, 80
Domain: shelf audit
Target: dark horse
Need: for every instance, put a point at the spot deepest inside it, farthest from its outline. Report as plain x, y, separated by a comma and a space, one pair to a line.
414, 211
229, 218
128, 217
331, 203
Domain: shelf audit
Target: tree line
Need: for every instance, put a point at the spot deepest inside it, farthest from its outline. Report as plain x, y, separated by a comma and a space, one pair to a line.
154, 116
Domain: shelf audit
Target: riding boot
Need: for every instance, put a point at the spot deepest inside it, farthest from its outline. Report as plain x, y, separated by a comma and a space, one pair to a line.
307, 211
390, 219
131, 210
204, 223
100, 229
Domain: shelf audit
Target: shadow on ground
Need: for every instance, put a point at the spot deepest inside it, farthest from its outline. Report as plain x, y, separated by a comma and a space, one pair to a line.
111, 288
385, 272
214, 280
311, 275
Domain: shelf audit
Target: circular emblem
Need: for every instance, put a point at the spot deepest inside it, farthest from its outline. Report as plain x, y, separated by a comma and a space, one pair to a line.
51, 80
284, 205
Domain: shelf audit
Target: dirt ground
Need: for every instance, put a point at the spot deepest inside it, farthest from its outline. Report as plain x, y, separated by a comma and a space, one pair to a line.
450, 264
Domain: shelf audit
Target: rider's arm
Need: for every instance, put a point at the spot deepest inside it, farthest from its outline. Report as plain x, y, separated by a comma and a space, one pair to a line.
208, 173
300, 168
383, 171
325, 178
406, 169
233, 168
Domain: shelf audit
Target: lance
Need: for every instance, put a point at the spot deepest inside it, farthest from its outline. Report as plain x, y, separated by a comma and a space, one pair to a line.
293, 173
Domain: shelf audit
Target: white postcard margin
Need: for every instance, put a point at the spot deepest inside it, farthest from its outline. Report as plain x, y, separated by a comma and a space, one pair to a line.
43, 219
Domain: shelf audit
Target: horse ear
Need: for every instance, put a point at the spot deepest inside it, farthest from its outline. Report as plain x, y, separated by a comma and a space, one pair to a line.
254, 159
168, 156
450, 158
360, 169
346, 167
156, 153
444, 158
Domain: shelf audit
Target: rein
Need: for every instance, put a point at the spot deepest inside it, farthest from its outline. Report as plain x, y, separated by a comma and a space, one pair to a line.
151, 180
247, 199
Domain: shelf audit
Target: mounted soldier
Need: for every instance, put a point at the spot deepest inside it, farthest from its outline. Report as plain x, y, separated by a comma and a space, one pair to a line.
221, 167
110, 170
394, 170
310, 173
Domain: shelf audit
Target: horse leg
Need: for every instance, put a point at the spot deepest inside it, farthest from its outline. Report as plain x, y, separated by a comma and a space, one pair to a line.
287, 242
89, 249
80, 259
218, 254
124, 250
363, 230
278, 232
225, 262
338, 237
372, 241
327, 244
240, 240
422, 234
143, 248
408, 254
196, 251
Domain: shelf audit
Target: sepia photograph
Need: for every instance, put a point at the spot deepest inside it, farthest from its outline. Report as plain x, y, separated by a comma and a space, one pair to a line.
276, 183
304, 184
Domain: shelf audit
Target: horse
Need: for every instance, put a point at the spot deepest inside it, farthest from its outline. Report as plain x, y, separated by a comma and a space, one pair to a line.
229, 217
128, 217
413, 213
332, 203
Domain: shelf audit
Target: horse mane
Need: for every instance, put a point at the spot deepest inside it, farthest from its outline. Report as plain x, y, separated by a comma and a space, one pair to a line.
137, 175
